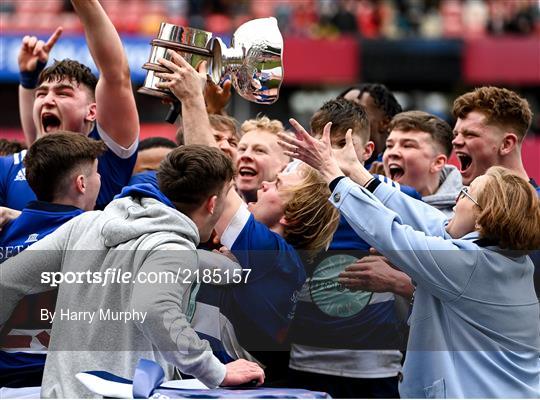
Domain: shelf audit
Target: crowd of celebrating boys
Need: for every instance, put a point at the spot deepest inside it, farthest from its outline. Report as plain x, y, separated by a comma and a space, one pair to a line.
370, 267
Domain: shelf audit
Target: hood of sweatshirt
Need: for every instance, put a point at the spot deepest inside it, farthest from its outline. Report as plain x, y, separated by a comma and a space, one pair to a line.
142, 209
451, 184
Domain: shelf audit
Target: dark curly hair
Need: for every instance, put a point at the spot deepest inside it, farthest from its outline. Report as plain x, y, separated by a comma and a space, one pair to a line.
72, 70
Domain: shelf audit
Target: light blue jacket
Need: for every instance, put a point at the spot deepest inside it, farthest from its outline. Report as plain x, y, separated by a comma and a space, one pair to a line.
474, 327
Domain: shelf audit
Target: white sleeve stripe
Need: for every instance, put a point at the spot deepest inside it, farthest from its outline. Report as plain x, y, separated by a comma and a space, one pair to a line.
120, 151
18, 157
236, 225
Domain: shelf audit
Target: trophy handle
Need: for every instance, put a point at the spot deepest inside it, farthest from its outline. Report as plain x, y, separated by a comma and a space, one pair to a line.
174, 112
186, 48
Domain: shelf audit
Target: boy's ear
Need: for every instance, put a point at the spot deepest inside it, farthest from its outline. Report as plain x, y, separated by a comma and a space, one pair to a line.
508, 143
211, 204
439, 163
91, 114
369, 147
80, 184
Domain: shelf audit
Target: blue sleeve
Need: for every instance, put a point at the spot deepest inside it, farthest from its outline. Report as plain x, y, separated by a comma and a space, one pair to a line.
264, 251
268, 299
4, 168
434, 262
15, 192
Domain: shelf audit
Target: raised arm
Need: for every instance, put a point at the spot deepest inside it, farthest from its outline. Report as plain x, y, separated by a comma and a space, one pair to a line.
442, 266
187, 85
33, 57
116, 109
335, 163
421, 216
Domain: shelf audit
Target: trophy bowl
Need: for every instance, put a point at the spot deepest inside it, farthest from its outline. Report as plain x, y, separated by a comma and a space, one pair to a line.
253, 61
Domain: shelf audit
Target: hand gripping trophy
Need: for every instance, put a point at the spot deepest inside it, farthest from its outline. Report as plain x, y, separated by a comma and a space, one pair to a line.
253, 61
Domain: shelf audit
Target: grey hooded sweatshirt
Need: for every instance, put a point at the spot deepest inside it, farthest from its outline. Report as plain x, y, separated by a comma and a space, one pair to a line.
108, 325
444, 199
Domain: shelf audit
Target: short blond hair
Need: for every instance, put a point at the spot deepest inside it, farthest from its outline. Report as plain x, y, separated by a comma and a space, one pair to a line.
312, 219
510, 211
262, 123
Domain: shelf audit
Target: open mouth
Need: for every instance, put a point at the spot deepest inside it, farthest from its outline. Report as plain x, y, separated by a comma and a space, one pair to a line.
465, 161
50, 122
396, 172
247, 172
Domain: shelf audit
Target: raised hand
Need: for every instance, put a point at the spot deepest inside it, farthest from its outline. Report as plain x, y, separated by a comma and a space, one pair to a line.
183, 80
34, 50
316, 153
217, 97
346, 156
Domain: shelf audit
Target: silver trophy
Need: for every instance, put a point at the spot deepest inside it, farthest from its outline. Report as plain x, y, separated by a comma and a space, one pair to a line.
253, 62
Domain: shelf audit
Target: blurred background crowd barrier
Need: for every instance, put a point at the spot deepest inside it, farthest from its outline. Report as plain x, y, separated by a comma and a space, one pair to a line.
427, 51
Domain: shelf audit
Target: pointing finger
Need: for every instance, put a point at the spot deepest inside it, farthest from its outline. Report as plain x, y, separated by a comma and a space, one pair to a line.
53, 39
